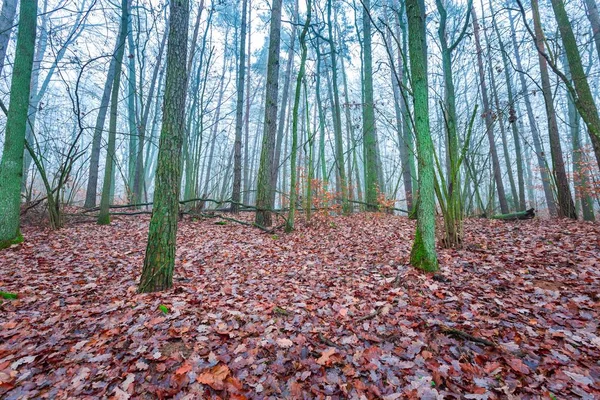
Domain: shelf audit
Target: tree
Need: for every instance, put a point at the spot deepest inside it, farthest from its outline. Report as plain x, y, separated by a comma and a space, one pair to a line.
489, 123
159, 261
11, 166
264, 187
535, 134
372, 183
239, 113
7, 18
453, 218
423, 254
594, 17
104, 216
566, 207
295, 115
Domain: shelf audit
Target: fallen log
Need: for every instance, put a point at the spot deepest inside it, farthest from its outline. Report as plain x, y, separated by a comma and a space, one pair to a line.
521, 215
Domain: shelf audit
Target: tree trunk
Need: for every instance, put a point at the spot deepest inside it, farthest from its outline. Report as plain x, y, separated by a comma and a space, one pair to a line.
264, 187
104, 215
92, 183
132, 117
580, 173
566, 207
489, 123
423, 253
7, 18
337, 116
512, 117
11, 166
295, 115
159, 261
585, 100
594, 17
372, 183
239, 114
542, 165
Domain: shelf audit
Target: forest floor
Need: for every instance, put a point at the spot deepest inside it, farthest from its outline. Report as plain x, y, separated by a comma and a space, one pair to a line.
333, 310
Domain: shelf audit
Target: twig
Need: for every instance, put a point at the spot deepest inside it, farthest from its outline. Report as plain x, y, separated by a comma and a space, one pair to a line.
464, 335
370, 316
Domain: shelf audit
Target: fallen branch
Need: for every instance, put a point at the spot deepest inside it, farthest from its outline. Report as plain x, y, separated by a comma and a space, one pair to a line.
464, 335
371, 315
522, 215
327, 341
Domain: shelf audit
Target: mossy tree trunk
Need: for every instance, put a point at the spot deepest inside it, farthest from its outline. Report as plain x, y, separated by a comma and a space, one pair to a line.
423, 253
11, 166
159, 262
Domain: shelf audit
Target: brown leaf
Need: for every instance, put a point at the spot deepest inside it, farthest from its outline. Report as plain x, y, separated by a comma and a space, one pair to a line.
215, 376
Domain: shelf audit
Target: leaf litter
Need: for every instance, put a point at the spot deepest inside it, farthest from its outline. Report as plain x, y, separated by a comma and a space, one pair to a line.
325, 312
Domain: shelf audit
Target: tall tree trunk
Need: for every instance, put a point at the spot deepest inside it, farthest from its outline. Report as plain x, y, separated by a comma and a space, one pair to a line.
11, 166
92, 182
215, 129
541, 161
580, 173
295, 115
132, 117
246, 170
7, 18
584, 100
488, 119
512, 117
138, 180
239, 114
454, 210
423, 254
264, 187
337, 115
372, 183
566, 207
594, 17
159, 261
281, 127
104, 215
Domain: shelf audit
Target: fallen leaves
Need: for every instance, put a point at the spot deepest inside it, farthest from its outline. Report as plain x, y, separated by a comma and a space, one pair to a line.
254, 317
215, 376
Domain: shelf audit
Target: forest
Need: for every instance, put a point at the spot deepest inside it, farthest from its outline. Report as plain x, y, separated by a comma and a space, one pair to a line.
329, 199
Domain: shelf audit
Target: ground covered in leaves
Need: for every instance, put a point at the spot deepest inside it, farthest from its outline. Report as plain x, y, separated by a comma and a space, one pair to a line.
326, 312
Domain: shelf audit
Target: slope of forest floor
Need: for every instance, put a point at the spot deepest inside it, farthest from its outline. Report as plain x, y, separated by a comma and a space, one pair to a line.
325, 311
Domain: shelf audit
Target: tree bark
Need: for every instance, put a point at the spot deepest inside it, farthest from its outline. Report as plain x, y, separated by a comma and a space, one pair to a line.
264, 187
423, 253
159, 261
489, 123
104, 215
566, 207
11, 166
541, 161
239, 114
